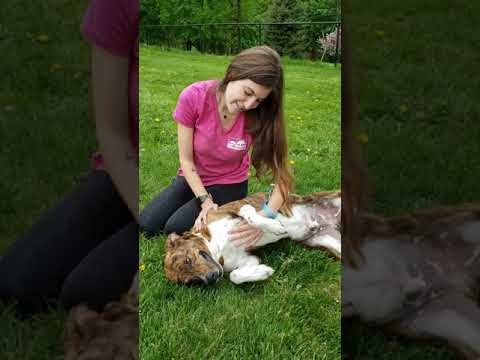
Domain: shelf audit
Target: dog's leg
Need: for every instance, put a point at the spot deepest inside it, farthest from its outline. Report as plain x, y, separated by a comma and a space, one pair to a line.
251, 274
250, 271
332, 243
249, 213
453, 318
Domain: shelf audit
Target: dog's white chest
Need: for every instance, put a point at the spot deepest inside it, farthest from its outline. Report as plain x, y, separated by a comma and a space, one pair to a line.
220, 246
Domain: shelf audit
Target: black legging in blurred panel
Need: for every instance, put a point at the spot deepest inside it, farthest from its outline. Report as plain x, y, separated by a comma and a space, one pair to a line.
83, 250
175, 208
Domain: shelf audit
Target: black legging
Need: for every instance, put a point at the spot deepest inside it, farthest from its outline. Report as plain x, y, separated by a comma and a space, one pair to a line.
175, 208
83, 250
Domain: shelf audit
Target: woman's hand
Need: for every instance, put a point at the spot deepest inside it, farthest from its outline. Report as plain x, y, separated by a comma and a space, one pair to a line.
201, 220
244, 234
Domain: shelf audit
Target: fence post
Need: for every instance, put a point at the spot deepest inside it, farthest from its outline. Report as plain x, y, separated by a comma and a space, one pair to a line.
239, 39
336, 44
169, 44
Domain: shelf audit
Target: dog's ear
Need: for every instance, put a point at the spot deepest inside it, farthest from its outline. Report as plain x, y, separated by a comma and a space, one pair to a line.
172, 240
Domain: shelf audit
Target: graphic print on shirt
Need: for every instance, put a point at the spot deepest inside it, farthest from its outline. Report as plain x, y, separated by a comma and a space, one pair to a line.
236, 144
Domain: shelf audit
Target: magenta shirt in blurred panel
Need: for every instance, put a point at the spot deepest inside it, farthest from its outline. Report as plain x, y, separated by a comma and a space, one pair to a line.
220, 156
113, 26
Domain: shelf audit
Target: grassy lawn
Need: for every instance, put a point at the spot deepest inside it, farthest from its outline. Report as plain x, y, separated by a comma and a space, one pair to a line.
296, 313
47, 134
413, 67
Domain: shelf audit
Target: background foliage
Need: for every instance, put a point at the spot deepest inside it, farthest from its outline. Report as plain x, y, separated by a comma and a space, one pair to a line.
294, 40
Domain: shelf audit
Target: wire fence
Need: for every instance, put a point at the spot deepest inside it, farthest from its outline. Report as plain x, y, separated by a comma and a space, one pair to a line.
295, 39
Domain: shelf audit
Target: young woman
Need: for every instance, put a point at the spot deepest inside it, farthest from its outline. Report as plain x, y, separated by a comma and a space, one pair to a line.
219, 122
85, 249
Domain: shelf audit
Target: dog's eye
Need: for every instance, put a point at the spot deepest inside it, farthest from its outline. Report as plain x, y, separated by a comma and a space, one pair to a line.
188, 261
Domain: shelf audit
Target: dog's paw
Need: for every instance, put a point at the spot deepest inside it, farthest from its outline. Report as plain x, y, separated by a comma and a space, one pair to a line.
264, 271
251, 274
247, 212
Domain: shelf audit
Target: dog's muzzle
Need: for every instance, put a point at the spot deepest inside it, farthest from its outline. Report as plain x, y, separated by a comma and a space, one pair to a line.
212, 276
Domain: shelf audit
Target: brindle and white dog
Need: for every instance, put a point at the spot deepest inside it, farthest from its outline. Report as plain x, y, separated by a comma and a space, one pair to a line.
203, 256
420, 276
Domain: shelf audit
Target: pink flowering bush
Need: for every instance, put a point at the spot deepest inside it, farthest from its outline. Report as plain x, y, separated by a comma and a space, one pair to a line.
328, 44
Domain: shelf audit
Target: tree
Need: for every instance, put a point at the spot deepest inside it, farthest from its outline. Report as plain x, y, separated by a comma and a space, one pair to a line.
279, 36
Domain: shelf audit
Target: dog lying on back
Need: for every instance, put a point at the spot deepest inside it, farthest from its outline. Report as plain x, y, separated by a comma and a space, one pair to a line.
420, 276
203, 257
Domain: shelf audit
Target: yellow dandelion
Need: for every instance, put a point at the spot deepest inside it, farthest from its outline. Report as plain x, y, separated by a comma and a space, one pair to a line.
43, 38
292, 162
156, 120
362, 138
403, 108
141, 267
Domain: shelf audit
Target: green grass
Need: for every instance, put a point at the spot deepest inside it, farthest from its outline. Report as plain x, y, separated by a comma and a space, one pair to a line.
47, 134
413, 67
296, 313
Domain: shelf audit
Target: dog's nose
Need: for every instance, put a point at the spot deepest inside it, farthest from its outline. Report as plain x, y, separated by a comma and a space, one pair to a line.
211, 277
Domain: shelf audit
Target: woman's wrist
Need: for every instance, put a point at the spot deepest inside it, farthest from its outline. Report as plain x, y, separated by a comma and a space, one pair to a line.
208, 202
270, 213
203, 197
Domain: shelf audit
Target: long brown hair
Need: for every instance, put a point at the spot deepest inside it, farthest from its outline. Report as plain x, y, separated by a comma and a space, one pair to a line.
265, 123
353, 169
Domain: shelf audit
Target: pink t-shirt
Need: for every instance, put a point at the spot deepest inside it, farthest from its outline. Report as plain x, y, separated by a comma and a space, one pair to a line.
220, 156
113, 26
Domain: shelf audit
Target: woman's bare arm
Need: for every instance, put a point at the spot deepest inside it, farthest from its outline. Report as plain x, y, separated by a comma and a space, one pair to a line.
276, 199
110, 92
185, 152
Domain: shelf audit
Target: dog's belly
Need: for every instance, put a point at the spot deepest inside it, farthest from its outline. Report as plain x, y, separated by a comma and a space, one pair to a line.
267, 238
405, 273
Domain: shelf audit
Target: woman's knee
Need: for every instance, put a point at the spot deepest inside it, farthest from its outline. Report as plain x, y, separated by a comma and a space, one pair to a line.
154, 217
28, 294
148, 225
179, 225
74, 293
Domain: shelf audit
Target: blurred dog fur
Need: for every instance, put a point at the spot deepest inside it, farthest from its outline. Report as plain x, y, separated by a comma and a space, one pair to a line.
415, 275
109, 335
419, 277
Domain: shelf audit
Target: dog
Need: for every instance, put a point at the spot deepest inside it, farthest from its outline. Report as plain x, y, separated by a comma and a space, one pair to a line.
420, 276
203, 256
